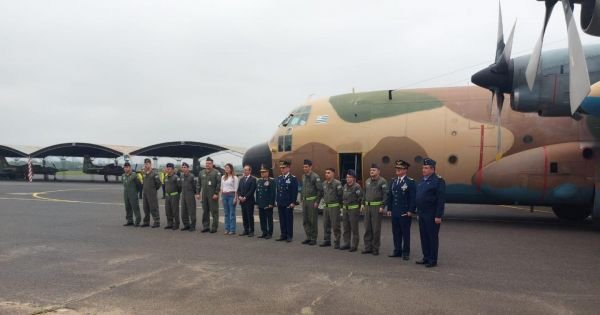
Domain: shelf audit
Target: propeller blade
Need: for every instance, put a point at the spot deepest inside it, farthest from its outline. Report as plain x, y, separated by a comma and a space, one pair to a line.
502, 63
534, 60
579, 80
508, 48
499, 104
490, 106
500, 38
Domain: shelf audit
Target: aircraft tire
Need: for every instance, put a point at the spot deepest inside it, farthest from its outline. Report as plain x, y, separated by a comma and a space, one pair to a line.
571, 214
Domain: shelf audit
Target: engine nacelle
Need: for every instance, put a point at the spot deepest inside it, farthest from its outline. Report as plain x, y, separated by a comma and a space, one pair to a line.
590, 17
550, 94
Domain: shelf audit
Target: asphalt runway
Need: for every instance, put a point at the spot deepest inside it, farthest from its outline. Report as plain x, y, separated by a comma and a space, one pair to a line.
63, 250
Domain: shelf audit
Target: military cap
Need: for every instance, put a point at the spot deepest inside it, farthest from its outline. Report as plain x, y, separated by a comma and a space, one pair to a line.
209, 159
308, 162
428, 161
185, 164
147, 160
402, 164
351, 173
374, 166
170, 165
284, 163
263, 168
127, 164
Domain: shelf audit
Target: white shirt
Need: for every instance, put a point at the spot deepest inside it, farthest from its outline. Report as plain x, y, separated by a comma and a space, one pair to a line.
229, 185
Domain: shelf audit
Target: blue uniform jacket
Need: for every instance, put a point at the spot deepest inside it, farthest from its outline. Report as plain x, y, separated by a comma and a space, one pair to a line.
431, 196
401, 196
287, 190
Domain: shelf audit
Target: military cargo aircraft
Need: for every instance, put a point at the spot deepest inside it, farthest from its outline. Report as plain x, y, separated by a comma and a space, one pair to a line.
112, 169
543, 152
21, 171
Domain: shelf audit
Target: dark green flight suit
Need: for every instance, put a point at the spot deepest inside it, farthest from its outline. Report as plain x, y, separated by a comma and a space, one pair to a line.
312, 192
172, 190
375, 198
209, 185
351, 200
131, 186
332, 197
188, 200
151, 185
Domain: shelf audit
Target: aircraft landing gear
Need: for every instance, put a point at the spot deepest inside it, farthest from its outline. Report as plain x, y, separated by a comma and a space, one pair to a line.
106, 178
570, 213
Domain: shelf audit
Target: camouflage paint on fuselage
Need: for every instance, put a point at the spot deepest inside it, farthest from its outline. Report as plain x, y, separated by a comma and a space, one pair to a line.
543, 157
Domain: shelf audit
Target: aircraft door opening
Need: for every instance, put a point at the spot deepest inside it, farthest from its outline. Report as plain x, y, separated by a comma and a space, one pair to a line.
350, 161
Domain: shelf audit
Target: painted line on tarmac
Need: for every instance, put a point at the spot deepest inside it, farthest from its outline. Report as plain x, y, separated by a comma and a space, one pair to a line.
525, 209
38, 195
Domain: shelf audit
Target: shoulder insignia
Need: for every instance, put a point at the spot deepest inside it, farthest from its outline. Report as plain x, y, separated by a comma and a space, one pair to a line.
438, 176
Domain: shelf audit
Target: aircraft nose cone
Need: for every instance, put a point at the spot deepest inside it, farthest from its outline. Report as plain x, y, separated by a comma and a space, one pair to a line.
256, 156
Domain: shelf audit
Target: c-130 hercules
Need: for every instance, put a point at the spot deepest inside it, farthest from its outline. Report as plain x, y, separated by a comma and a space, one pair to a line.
543, 152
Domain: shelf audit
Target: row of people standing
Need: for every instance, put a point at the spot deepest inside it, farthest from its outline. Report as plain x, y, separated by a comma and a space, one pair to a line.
400, 201
343, 204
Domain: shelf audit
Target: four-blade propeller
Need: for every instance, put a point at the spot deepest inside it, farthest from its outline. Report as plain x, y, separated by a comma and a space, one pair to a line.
498, 76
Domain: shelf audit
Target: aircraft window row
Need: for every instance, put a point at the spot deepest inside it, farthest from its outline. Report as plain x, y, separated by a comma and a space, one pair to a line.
284, 143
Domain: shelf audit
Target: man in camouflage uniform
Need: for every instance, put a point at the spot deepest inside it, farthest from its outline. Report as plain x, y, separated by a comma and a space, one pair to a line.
188, 201
208, 188
332, 197
172, 189
151, 185
312, 192
131, 186
351, 200
375, 199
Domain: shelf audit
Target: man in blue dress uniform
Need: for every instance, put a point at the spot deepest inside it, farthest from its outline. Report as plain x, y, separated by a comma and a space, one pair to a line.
431, 195
401, 206
287, 195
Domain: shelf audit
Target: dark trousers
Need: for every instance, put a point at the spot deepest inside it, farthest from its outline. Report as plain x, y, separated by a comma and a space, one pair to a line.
401, 232
132, 207
188, 210
172, 210
372, 228
286, 222
150, 203
248, 216
266, 220
429, 238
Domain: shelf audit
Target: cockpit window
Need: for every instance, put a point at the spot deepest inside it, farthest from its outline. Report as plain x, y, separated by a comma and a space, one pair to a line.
298, 117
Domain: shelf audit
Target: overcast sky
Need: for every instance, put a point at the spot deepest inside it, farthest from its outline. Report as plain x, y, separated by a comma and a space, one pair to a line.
227, 72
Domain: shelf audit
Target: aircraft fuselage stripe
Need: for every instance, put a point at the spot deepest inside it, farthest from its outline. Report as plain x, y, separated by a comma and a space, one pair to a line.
480, 173
545, 173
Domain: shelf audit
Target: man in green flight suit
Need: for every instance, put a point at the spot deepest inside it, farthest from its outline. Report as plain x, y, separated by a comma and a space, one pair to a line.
151, 185
172, 186
312, 192
209, 186
131, 186
188, 200
375, 199
332, 197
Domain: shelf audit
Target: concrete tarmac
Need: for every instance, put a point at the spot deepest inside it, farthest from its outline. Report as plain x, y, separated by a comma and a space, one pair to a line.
63, 250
